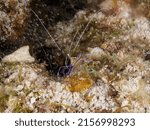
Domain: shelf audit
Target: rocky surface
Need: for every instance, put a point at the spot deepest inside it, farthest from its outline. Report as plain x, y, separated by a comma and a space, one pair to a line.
109, 52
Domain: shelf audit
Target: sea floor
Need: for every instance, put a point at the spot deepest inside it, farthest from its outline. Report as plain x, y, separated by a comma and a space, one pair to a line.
110, 53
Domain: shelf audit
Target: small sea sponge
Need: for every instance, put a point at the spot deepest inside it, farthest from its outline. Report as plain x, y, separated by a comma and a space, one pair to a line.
79, 82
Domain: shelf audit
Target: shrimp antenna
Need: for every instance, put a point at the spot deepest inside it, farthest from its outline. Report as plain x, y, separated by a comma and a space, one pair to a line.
84, 31
78, 59
46, 30
73, 41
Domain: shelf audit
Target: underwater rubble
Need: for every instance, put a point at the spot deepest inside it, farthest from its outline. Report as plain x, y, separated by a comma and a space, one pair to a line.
109, 53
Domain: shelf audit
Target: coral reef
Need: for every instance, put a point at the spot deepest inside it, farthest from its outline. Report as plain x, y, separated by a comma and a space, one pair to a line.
110, 57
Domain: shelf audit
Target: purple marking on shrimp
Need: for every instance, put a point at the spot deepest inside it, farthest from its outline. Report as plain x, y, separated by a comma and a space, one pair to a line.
61, 71
70, 68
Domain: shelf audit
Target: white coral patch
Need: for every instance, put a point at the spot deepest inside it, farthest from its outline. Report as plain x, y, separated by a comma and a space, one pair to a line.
96, 53
107, 5
141, 30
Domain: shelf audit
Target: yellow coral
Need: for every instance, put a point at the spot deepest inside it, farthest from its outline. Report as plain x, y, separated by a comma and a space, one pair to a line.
79, 82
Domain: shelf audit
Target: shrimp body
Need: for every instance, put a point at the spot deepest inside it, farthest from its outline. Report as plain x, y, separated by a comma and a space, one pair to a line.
56, 61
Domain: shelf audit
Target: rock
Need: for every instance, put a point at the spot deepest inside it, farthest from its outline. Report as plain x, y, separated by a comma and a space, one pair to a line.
20, 55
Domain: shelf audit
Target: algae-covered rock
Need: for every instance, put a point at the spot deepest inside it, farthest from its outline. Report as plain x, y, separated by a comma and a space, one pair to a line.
108, 50
13, 16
